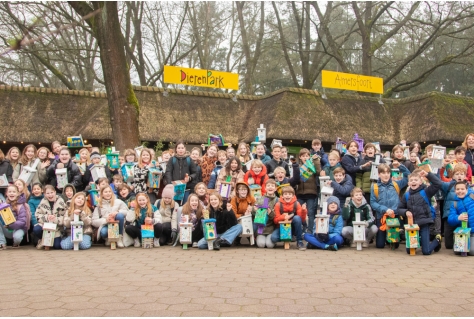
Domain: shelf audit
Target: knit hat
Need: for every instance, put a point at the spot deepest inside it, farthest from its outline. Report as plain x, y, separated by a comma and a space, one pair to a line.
168, 191
94, 155
334, 199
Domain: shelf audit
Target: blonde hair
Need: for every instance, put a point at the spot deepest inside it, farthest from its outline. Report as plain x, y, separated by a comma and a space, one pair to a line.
101, 191
88, 157
245, 158
149, 210
465, 140
140, 159
85, 208
8, 157
279, 169
256, 163
334, 154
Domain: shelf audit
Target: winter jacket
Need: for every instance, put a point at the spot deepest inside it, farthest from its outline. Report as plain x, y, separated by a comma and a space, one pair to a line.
83, 217
329, 170
34, 202
388, 196
132, 218
222, 177
177, 168
343, 189
335, 223
364, 209
416, 203
463, 205
7, 170
169, 213
264, 158
214, 174
322, 155
351, 165
469, 158
260, 179
406, 163
87, 177
272, 200
239, 205
37, 177
58, 210
288, 207
21, 215
224, 219
102, 211
207, 165
449, 197
272, 164
310, 187
74, 175
468, 167
127, 200
363, 178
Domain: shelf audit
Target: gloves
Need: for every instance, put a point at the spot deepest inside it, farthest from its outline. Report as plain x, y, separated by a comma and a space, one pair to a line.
173, 236
323, 237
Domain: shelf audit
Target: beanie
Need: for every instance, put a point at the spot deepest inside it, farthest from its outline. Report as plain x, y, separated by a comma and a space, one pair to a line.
168, 191
334, 199
94, 155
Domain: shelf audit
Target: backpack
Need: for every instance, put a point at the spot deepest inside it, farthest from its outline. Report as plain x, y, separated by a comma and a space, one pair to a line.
427, 200
455, 203
376, 189
294, 208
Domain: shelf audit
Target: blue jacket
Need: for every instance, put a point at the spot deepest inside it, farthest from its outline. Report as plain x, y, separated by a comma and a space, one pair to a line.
464, 205
343, 190
388, 197
33, 202
322, 154
335, 228
214, 174
141, 220
265, 158
449, 196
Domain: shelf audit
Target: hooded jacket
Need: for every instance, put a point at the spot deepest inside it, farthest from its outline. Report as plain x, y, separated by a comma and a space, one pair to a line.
258, 179
177, 168
239, 205
64, 197
343, 189
288, 208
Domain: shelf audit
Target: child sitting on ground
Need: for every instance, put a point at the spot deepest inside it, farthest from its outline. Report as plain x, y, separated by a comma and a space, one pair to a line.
462, 209
168, 209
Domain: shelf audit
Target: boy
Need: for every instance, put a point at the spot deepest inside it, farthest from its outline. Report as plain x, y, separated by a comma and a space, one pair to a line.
459, 154
330, 240
342, 184
316, 148
221, 160
462, 209
264, 239
416, 203
95, 159
384, 197
333, 163
117, 181
358, 204
281, 179
230, 152
286, 209
276, 161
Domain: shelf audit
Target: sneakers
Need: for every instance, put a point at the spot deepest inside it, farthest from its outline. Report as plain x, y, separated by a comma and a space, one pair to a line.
439, 239
156, 242
216, 245
365, 244
309, 246
136, 243
40, 244
353, 245
195, 245
3, 246
120, 242
300, 245
16, 246
332, 247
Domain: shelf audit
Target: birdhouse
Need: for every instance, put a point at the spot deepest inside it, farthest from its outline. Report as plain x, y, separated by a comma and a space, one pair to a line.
261, 216
113, 160
127, 172
225, 190
75, 141
113, 234
462, 239
97, 171
255, 191
49, 233
216, 139
412, 235
210, 233
393, 231
93, 196
6, 215
341, 146
280, 188
179, 190
77, 234
307, 170
61, 177
359, 141
185, 232
377, 147
148, 233
358, 227
253, 145
154, 177
326, 191
276, 142
396, 175
426, 166
3, 181
374, 172
285, 233
247, 227
322, 220
27, 174
138, 150
262, 133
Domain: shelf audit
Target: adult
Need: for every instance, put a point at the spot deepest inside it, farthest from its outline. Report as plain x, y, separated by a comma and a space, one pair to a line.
74, 175
469, 146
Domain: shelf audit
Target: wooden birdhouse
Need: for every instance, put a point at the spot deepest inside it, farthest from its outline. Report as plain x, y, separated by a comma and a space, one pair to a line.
462, 239
27, 174
49, 233
358, 227
6, 214
285, 233
412, 235
148, 233
127, 172
393, 231
341, 146
93, 196
179, 190
360, 142
374, 172
113, 160
75, 141
77, 234
322, 220
262, 133
247, 227
61, 177
280, 188
98, 171
138, 150
261, 216
225, 189
185, 231
113, 234
210, 233
396, 175
276, 142
255, 191
326, 191
216, 139
3, 181
154, 177
307, 170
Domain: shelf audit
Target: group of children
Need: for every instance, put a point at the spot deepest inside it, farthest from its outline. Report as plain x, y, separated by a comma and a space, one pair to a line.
286, 189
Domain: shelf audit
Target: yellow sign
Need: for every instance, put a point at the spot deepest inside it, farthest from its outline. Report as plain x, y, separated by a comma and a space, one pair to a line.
199, 77
354, 82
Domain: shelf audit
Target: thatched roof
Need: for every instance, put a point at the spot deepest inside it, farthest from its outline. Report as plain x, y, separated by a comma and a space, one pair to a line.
43, 115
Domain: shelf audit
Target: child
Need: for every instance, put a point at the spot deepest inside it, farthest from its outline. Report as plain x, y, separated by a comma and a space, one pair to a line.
286, 209
363, 178
74, 175
201, 191
107, 210
117, 180
45, 162
281, 180
19, 228
260, 153
446, 172
462, 209
244, 155
333, 238
230, 152
414, 160
130, 156
276, 161
78, 207
143, 213
196, 158
317, 148
50, 210
257, 175
193, 210
243, 202
227, 227
342, 184
384, 198
333, 163
208, 163
397, 155
13, 155
460, 153
22, 188
34, 201
358, 204
125, 194
95, 159
5, 169
264, 239
68, 194
221, 160
233, 170
168, 209
416, 203
28, 158
140, 172
352, 161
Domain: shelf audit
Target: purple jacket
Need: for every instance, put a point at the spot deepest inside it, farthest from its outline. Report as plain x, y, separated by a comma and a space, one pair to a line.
21, 215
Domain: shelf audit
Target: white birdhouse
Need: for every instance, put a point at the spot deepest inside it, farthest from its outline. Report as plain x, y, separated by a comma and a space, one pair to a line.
185, 234
358, 227
27, 174
326, 191
322, 220
276, 142
77, 234
98, 171
49, 233
247, 227
262, 133
61, 177
148, 233
225, 190
374, 172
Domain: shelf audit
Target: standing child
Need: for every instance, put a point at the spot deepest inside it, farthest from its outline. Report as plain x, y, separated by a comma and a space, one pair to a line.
7, 170
13, 155
221, 161
460, 153
265, 238
168, 209
144, 213
208, 163
19, 228
363, 180
260, 153
193, 210
397, 155
333, 163
352, 161
78, 207
342, 185
244, 155
42, 154
28, 159
276, 161
232, 171
74, 175
333, 238
462, 209
317, 148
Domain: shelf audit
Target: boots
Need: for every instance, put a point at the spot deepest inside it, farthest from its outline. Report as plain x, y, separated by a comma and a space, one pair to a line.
216, 244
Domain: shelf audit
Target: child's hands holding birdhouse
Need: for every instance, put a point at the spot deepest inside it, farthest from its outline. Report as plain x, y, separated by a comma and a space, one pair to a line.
249, 210
395, 164
390, 213
322, 173
51, 218
77, 211
148, 221
228, 206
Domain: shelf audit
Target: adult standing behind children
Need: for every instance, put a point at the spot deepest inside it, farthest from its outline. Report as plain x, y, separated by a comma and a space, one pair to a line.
74, 175
469, 145
276, 161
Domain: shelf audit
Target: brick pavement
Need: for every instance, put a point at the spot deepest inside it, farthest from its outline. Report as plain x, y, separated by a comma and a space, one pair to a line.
237, 281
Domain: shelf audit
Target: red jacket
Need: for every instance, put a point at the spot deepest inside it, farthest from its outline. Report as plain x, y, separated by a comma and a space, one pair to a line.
288, 208
260, 179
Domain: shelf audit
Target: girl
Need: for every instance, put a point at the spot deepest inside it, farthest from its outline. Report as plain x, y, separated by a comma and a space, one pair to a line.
140, 172
50, 210
74, 175
107, 210
181, 168
351, 162
221, 161
125, 194
168, 209
196, 157
201, 190
469, 146
130, 156
78, 207
84, 160
7, 170
415, 147
242, 203
193, 210
34, 201
42, 154
260, 153
257, 175
397, 155
20, 227
244, 155
208, 163
13, 156
144, 213
68, 194
227, 226
415, 160
56, 149
232, 169
22, 188
28, 158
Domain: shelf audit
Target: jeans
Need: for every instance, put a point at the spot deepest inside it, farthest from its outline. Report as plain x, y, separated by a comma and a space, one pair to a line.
348, 232
313, 240
381, 236
67, 244
427, 247
311, 207
296, 229
104, 232
229, 236
16, 235
38, 231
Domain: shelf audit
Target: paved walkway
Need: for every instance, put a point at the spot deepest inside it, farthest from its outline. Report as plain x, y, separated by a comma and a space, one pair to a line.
237, 281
